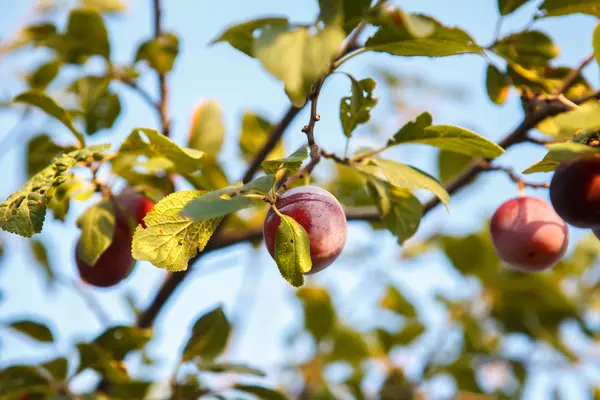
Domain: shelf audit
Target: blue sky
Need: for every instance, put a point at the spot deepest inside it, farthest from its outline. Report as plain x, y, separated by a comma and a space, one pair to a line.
239, 84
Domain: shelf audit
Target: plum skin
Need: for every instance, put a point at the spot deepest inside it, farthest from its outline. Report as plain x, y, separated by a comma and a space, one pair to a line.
528, 234
575, 192
116, 263
320, 214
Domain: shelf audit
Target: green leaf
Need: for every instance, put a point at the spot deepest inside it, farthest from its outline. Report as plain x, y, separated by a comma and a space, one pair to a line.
58, 368
451, 164
395, 386
356, 109
349, 346
35, 330
260, 392
159, 53
552, 8
453, 138
106, 6
380, 194
560, 152
101, 107
242, 36
497, 85
211, 205
319, 314
93, 356
354, 12
120, 340
255, 133
207, 131
169, 240
412, 330
331, 12
134, 390
18, 380
527, 49
442, 42
292, 251
292, 162
45, 73
596, 43
23, 212
229, 368
506, 7
97, 226
155, 145
49, 106
31, 34
86, 30
41, 256
583, 118
394, 300
209, 336
472, 255
406, 177
396, 19
297, 57
41, 150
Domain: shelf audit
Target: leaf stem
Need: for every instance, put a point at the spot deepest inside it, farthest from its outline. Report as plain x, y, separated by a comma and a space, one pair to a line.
348, 56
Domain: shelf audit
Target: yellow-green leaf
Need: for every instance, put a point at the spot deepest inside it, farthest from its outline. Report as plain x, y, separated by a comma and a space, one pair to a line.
292, 251
97, 226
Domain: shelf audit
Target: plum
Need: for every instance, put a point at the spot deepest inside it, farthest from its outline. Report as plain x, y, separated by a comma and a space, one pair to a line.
575, 191
528, 234
320, 214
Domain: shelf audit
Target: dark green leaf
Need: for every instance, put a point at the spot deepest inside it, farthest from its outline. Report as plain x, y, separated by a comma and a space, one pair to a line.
451, 164
229, 368
405, 214
58, 368
412, 330
41, 150
356, 109
442, 42
527, 49
506, 7
349, 346
41, 256
242, 36
331, 12
160, 53
135, 390
292, 163
93, 356
101, 107
97, 226
396, 19
118, 341
35, 330
396, 387
552, 8
412, 128
464, 374
86, 30
497, 85
472, 255
209, 336
394, 300
41, 77
292, 251
48, 105
354, 12
559, 152
260, 392
214, 205
311, 55
207, 131
23, 380
319, 315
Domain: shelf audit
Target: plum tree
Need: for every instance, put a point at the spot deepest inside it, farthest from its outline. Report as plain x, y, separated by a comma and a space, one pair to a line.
575, 191
116, 262
528, 234
320, 214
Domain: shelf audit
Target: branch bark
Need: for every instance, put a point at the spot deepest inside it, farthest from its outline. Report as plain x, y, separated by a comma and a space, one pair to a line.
162, 104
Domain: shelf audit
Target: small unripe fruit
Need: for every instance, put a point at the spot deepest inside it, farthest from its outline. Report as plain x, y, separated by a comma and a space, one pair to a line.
575, 192
320, 214
528, 234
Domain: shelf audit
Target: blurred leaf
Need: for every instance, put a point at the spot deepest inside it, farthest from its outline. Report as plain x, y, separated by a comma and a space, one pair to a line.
45, 73
354, 386
347, 184
135, 390
101, 107
58, 368
307, 56
93, 356
292, 251
48, 105
169, 240
396, 387
97, 226
394, 300
356, 109
41, 256
319, 315
118, 341
560, 152
331, 12
407, 177
451, 164
190, 388
508, 6
453, 138
596, 43
241, 36
86, 30
527, 49
255, 133
19, 381
552, 8
583, 118
442, 42
464, 374
30, 34
472, 254
354, 12
160, 53
35, 330
349, 346
207, 131
260, 392
497, 85
209, 336
41, 150
412, 330
229, 368
405, 214
404, 23
106, 6
292, 163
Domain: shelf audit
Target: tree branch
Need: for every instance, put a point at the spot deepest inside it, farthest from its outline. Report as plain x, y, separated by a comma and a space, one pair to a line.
162, 78
573, 75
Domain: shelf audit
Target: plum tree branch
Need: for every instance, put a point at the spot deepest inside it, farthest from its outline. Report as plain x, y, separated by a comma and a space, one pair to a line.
162, 104
572, 76
513, 176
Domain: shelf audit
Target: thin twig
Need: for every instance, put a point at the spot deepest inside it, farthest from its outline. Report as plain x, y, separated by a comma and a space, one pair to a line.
143, 94
572, 76
162, 78
515, 177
